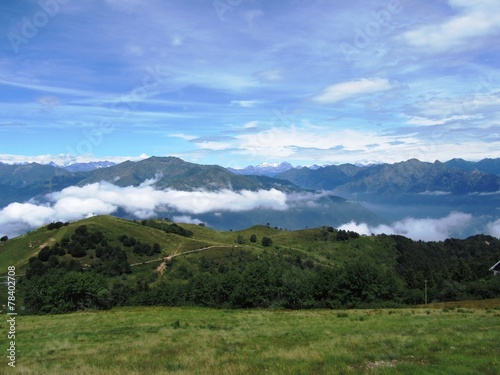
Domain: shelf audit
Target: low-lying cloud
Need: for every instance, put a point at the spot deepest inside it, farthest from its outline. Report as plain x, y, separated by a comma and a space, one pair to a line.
427, 229
144, 201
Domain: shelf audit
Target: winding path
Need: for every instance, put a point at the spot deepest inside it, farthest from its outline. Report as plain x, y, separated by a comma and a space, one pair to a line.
168, 258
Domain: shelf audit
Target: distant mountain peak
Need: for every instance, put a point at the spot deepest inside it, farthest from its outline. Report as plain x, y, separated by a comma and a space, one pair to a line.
263, 169
86, 167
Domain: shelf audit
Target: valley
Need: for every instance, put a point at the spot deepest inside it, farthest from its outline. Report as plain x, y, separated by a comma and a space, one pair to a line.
377, 196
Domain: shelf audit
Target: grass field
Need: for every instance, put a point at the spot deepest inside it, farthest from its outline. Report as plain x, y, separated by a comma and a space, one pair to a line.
157, 340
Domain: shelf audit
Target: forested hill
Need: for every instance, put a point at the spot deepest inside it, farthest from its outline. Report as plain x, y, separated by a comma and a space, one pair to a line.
105, 261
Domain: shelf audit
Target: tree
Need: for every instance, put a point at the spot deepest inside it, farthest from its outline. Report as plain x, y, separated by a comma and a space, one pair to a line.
44, 254
156, 248
253, 238
364, 283
81, 230
56, 225
266, 241
60, 292
240, 240
4, 239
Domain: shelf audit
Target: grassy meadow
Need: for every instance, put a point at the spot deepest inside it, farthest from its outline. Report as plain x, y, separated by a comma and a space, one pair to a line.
156, 340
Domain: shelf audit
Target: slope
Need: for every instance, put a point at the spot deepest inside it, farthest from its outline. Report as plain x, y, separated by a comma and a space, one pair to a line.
106, 261
19, 183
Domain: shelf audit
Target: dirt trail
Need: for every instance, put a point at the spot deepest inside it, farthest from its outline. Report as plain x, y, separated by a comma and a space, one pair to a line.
163, 266
197, 250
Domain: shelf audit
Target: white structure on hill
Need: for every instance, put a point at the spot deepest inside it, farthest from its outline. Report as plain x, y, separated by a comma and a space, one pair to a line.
496, 269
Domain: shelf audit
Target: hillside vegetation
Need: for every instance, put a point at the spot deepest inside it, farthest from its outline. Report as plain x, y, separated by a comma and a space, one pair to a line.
104, 261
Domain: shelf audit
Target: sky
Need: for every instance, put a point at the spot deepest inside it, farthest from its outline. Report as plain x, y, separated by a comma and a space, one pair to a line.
242, 82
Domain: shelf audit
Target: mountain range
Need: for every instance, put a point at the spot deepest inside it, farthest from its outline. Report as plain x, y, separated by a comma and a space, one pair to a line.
412, 176
293, 198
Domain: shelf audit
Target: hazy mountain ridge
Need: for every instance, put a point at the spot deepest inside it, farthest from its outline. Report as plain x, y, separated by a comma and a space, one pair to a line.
486, 165
19, 183
411, 176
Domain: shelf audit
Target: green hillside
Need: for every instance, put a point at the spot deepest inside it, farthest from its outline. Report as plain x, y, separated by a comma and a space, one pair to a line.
117, 262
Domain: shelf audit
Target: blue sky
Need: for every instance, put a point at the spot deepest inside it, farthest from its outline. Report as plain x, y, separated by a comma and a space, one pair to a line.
239, 82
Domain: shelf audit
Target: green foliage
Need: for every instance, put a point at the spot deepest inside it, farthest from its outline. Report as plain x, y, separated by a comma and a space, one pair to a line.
56, 225
266, 241
311, 268
455, 269
364, 283
167, 228
58, 291
345, 235
113, 261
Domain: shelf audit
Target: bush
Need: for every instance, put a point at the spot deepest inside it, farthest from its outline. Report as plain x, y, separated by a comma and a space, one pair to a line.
266, 241
56, 225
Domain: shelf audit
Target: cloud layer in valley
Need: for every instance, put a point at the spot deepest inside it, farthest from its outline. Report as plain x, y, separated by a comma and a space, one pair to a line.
428, 229
144, 201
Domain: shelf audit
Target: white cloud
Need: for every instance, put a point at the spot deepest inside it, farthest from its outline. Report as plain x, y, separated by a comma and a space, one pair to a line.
345, 90
25, 213
479, 18
186, 220
493, 228
283, 142
418, 229
75, 203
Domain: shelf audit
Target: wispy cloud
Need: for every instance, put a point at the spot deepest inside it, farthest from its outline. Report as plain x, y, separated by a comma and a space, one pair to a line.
352, 89
216, 76
422, 121
475, 19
